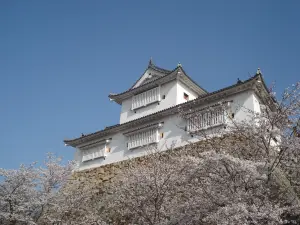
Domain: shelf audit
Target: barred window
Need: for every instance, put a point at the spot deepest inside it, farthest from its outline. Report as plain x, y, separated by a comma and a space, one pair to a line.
206, 119
145, 98
142, 138
93, 153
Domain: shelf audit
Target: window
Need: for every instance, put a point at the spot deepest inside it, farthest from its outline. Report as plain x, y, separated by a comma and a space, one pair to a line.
93, 152
145, 98
185, 96
142, 138
206, 119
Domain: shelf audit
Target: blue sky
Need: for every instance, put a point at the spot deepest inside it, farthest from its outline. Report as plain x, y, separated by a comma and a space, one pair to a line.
59, 60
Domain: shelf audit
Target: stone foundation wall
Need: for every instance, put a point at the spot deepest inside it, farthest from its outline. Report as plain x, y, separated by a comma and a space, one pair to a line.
107, 173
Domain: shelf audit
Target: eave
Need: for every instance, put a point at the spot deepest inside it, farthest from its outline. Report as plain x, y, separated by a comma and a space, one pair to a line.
209, 97
264, 95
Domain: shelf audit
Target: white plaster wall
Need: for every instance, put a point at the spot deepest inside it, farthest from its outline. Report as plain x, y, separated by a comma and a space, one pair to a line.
173, 129
119, 150
242, 103
168, 89
182, 88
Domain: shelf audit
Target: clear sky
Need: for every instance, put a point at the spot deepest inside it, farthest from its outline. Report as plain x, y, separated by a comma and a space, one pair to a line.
59, 60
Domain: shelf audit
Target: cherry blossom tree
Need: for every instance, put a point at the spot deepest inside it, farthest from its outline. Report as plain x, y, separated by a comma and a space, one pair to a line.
17, 195
213, 188
147, 193
27, 193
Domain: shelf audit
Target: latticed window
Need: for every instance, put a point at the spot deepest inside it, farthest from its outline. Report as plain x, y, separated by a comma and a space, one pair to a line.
205, 119
93, 152
145, 98
142, 138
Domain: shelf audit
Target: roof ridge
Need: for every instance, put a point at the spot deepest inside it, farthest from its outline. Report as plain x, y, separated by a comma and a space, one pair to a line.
143, 84
154, 67
171, 72
160, 69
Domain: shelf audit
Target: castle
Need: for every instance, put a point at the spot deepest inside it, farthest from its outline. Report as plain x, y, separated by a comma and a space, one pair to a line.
151, 115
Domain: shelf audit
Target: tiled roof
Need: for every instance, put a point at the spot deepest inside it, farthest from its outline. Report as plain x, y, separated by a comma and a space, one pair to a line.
193, 80
159, 69
142, 128
156, 68
108, 130
112, 95
178, 68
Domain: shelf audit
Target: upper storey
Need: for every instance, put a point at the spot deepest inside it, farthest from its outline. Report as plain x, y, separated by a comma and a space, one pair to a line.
157, 89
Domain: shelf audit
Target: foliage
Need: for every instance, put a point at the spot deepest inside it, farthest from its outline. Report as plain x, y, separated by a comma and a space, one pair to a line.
27, 193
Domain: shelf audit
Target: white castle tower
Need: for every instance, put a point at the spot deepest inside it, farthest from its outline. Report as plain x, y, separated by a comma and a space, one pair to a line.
150, 115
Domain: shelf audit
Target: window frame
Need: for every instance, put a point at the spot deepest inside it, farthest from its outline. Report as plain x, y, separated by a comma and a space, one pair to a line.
205, 119
145, 98
88, 152
142, 131
139, 138
186, 96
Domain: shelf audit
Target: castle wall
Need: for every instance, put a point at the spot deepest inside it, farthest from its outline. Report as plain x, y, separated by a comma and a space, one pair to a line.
173, 130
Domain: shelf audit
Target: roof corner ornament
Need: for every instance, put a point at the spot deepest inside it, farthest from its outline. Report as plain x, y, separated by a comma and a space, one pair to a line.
111, 99
150, 62
258, 72
179, 65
